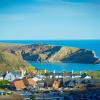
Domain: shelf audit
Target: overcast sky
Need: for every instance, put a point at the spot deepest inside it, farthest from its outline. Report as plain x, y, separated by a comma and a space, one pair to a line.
49, 19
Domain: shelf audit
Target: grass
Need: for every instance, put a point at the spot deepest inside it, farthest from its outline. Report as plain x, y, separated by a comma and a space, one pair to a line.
10, 61
94, 74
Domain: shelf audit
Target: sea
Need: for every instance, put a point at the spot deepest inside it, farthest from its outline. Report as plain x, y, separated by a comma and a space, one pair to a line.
84, 44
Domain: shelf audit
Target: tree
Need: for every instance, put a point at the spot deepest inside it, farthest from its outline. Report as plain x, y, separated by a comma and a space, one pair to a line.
33, 97
3, 82
30, 68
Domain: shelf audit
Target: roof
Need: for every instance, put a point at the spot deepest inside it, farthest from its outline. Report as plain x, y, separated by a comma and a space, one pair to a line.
36, 79
9, 76
31, 81
55, 84
19, 84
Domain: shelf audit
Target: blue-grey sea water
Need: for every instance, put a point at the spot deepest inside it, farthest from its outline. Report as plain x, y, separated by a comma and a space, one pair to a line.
86, 44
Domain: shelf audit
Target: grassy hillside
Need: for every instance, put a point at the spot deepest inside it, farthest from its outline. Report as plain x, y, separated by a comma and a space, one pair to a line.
9, 61
94, 74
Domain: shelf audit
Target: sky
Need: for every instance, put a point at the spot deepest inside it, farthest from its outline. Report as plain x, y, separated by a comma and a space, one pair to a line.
49, 19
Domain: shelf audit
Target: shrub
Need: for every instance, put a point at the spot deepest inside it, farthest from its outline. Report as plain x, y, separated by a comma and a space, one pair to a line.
30, 68
3, 82
33, 97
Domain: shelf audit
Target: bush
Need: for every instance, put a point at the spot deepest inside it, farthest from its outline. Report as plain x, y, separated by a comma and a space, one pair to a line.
30, 68
3, 82
33, 97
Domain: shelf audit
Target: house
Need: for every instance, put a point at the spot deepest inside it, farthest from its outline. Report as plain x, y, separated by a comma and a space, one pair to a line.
48, 82
41, 76
19, 84
58, 76
41, 84
16, 74
85, 76
55, 85
9, 76
71, 83
23, 72
36, 79
29, 81
1, 77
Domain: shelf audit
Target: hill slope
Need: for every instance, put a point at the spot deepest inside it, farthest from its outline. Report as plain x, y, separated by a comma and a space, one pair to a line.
9, 61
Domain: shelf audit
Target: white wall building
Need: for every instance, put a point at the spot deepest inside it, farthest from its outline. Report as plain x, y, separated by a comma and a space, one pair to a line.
10, 77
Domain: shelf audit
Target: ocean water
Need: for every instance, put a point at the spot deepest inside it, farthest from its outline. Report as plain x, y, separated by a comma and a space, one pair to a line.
66, 66
86, 44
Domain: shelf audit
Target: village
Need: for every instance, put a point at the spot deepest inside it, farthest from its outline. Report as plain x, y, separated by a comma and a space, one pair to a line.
50, 86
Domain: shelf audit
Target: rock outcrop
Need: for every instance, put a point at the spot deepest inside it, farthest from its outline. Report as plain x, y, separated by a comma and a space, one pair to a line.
51, 53
64, 54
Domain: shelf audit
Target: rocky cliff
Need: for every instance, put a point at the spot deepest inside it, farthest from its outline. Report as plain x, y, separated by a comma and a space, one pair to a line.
52, 53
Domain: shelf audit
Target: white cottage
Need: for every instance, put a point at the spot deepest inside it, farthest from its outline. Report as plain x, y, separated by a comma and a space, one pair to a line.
87, 77
10, 77
1, 77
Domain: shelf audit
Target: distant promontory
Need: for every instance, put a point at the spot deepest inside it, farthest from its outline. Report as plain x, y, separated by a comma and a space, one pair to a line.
20, 54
